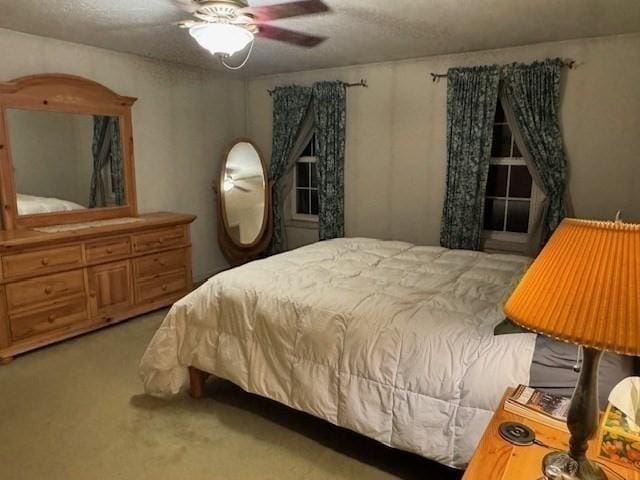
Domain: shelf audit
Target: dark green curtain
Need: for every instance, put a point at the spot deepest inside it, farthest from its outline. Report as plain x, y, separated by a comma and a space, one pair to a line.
290, 105
106, 150
533, 92
472, 97
117, 166
330, 114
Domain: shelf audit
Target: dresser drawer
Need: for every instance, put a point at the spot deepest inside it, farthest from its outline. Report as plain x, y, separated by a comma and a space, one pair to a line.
159, 239
161, 287
111, 249
159, 264
67, 313
41, 261
28, 294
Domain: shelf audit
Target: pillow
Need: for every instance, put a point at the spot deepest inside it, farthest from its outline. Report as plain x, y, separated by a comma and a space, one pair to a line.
507, 327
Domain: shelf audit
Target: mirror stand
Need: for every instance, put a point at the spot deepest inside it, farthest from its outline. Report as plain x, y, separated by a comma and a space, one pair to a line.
243, 196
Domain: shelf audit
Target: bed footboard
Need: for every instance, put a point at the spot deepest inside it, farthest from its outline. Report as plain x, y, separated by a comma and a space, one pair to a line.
196, 382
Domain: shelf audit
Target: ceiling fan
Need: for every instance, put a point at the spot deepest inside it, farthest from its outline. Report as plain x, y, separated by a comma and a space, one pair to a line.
225, 27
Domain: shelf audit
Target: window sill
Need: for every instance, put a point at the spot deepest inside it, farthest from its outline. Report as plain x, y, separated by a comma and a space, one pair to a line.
304, 224
491, 245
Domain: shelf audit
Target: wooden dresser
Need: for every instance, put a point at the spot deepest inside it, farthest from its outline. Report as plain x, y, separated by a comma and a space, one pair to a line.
75, 255
57, 285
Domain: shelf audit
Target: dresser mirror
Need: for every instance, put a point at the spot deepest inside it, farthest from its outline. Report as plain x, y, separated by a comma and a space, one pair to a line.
244, 200
65, 162
66, 152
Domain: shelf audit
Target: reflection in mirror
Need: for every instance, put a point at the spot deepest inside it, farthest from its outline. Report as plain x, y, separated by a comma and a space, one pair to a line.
243, 187
64, 162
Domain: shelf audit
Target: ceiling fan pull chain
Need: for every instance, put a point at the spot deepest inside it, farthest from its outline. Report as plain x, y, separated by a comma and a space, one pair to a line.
231, 67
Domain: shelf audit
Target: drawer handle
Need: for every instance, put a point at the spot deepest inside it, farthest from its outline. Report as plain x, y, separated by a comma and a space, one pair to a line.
165, 288
109, 251
52, 318
44, 261
48, 290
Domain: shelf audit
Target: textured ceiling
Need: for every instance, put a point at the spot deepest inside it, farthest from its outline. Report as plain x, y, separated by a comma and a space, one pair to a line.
360, 31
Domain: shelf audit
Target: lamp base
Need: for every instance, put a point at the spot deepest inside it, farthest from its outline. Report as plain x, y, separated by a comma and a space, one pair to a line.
560, 466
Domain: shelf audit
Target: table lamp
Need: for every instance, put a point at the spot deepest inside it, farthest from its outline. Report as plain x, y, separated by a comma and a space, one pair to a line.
584, 288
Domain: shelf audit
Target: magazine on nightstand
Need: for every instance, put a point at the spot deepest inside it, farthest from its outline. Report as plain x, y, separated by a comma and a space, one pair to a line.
546, 408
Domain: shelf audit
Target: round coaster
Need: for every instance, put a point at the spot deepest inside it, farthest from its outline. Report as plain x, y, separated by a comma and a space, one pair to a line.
517, 433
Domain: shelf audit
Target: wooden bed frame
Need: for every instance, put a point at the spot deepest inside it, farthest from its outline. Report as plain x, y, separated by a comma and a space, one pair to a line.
197, 378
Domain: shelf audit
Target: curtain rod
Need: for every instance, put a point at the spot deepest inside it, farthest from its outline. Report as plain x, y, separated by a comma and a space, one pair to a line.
362, 83
569, 63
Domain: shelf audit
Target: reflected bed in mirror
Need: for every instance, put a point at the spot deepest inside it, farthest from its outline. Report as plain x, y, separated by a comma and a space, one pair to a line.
65, 162
244, 202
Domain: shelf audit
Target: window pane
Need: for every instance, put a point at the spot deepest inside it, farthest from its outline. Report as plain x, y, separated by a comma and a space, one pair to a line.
302, 171
494, 214
308, 151
497, 182
314, 175
500, 117
516, 151
315, 205
501, 141
518, 216
302, 201
521, 182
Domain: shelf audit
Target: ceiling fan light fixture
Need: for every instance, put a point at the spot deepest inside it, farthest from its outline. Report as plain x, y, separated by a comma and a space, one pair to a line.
222, 38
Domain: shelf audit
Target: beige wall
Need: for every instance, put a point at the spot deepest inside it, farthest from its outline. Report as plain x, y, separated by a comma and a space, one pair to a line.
396, 139
182, 122
396, 134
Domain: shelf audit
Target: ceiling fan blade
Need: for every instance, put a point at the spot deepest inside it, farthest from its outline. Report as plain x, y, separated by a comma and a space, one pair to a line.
290, 36
287, 10
189, 6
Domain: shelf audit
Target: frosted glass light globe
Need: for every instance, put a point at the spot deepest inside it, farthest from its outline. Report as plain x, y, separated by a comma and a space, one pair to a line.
221, 37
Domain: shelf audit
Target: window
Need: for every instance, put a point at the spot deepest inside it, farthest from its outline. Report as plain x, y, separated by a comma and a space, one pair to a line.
305, 204
511, 193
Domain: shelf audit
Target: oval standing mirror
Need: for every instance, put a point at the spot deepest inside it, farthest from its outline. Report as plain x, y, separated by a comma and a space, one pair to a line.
244, 197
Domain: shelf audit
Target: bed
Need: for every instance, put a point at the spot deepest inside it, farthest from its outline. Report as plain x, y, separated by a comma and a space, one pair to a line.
388, 339
30, 205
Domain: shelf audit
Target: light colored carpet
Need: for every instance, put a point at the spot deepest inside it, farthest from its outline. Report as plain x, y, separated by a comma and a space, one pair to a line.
76, 411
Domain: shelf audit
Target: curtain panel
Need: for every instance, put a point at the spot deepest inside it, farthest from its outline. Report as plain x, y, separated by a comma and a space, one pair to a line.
106, 149
117, 166
533, 94
330, 112
472, 97
290, 107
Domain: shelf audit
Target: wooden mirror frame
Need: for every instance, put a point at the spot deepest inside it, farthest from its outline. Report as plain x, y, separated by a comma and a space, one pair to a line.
63, 94
236, 252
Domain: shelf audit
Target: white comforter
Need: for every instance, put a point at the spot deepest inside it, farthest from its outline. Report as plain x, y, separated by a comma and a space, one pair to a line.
30, 204
385, 338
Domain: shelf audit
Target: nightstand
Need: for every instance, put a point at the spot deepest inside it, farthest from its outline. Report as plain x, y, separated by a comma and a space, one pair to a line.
495, 459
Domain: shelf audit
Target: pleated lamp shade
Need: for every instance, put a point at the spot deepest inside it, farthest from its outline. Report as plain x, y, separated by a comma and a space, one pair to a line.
584, 287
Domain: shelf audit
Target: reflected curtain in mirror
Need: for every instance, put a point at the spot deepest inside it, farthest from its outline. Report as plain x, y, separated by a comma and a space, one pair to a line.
107, 153
290, 107
533, 93
472, 97
330, 111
